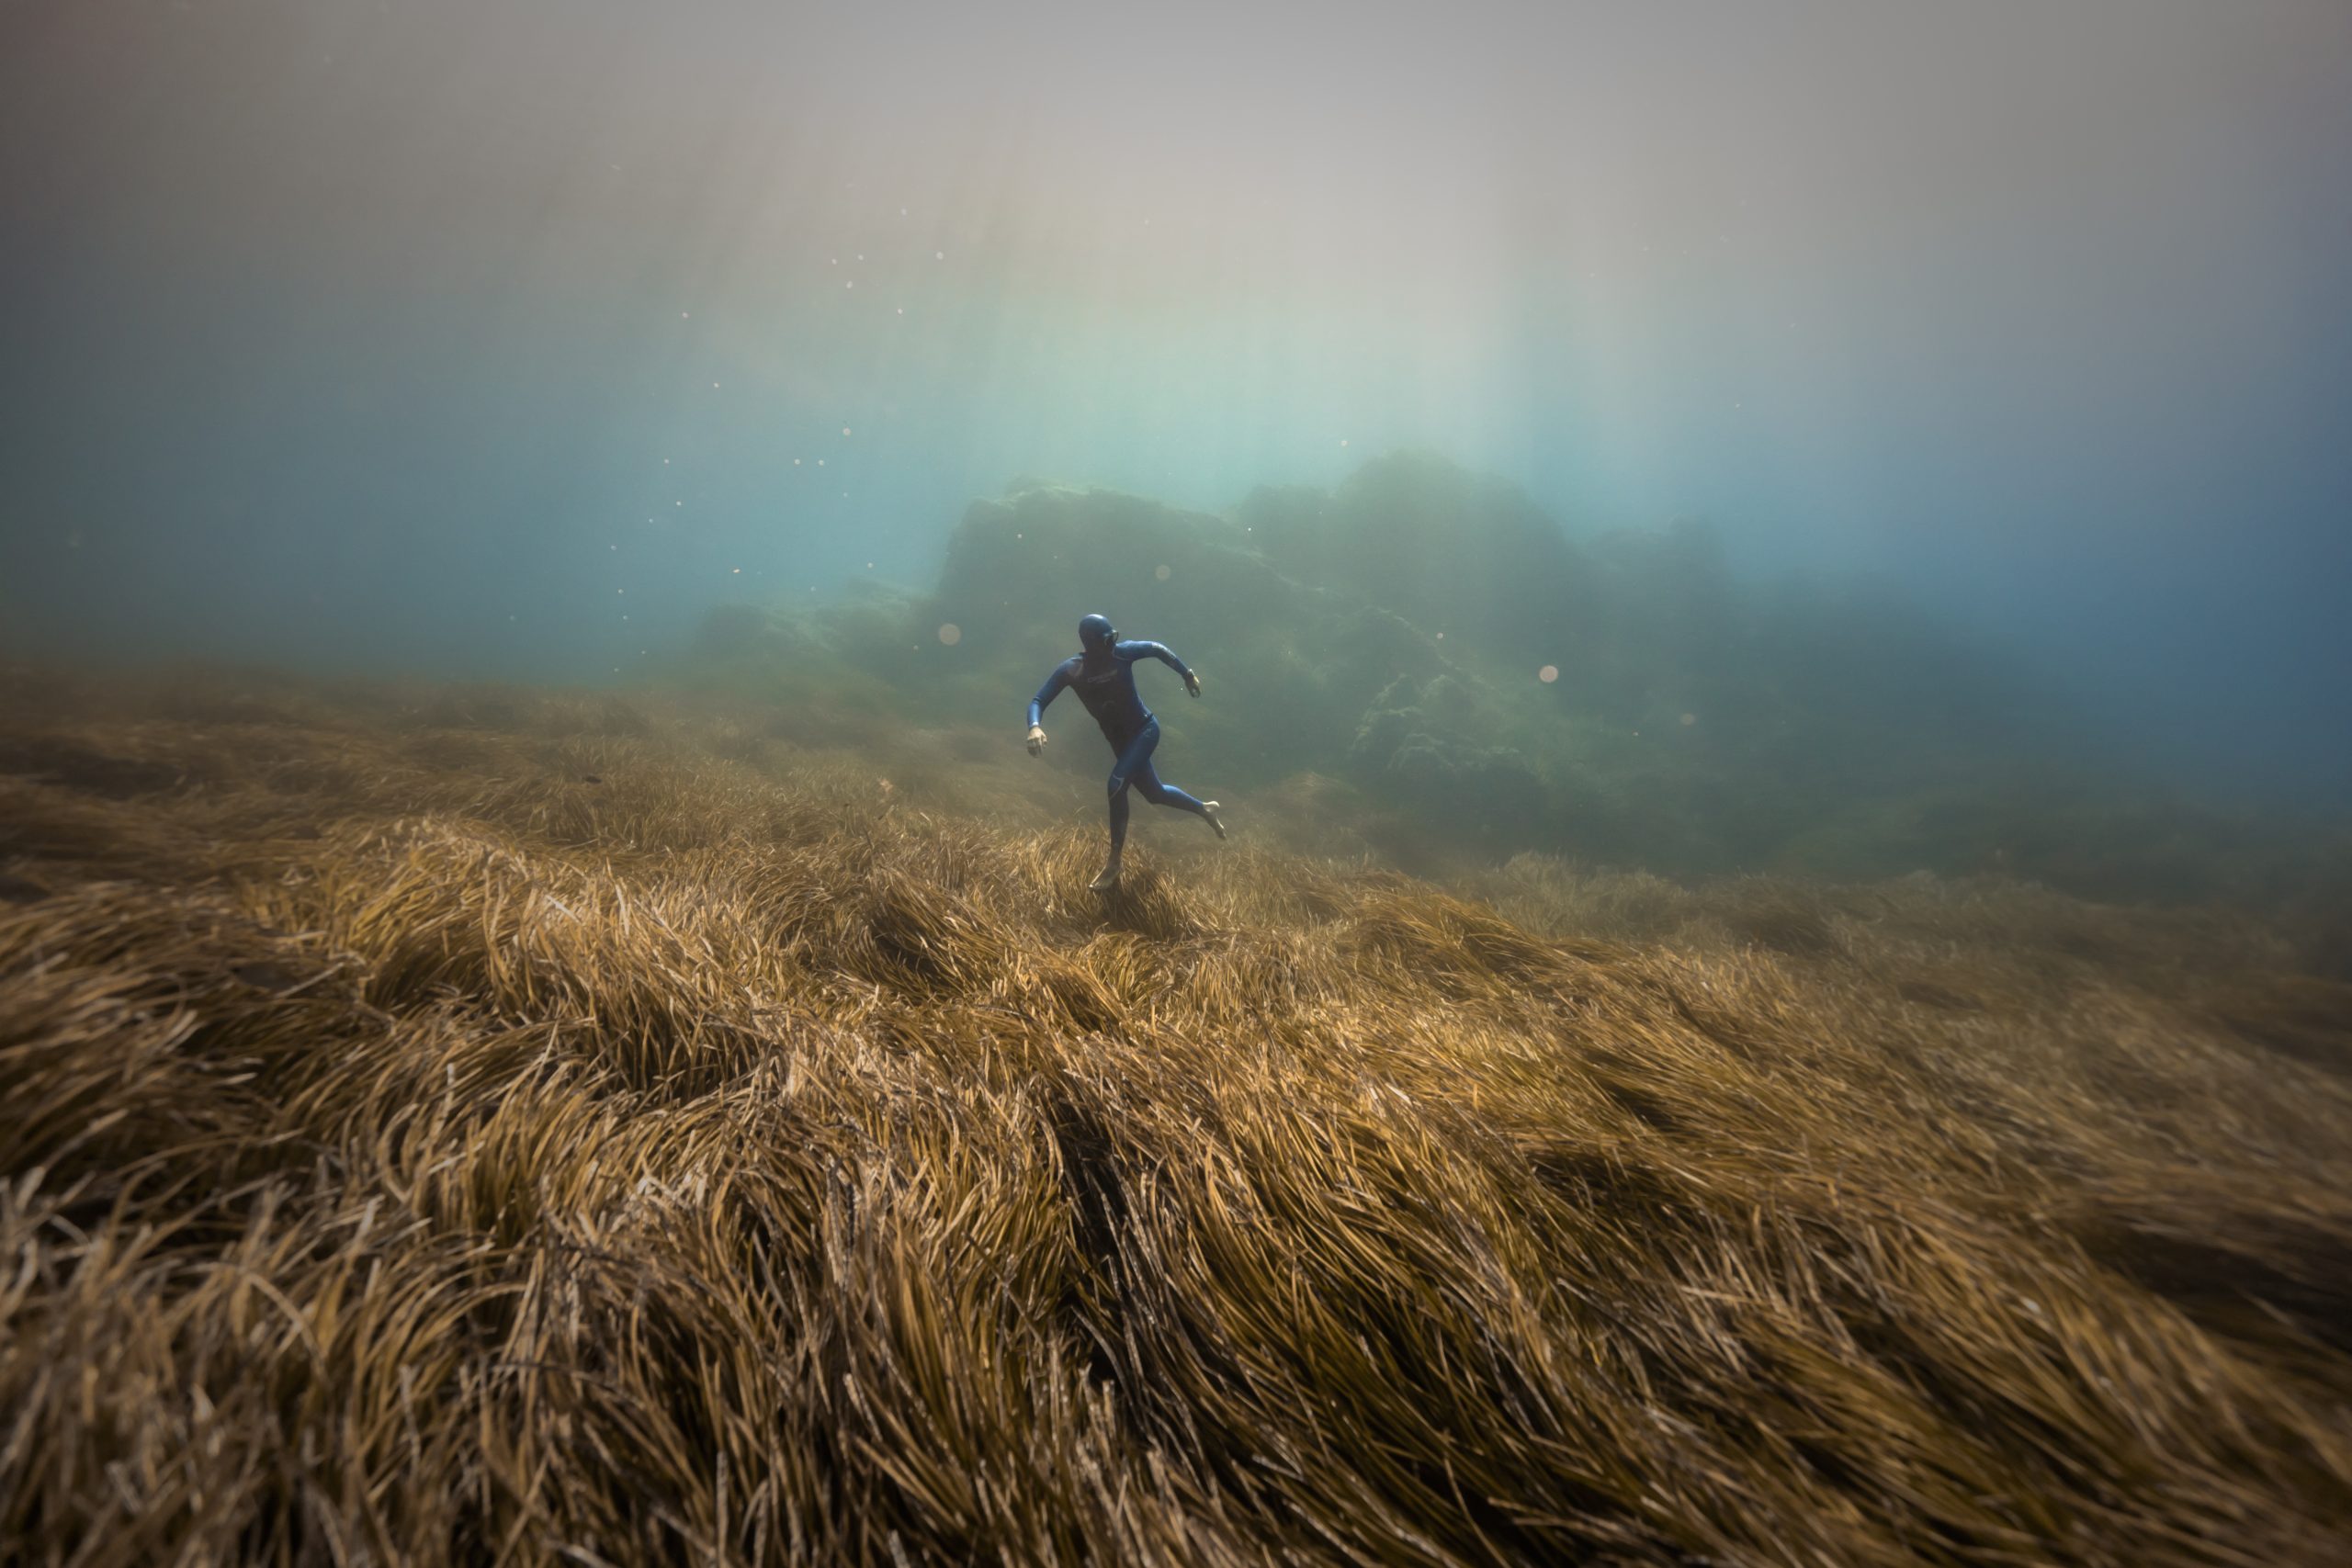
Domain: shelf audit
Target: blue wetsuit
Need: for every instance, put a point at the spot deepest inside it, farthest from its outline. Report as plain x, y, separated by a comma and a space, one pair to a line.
1104, 680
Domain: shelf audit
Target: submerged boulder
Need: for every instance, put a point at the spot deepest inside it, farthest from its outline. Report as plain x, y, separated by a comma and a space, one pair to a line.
1445, 548
1019, 572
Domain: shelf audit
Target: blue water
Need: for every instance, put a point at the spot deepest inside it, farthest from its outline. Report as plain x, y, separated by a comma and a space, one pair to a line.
507, 339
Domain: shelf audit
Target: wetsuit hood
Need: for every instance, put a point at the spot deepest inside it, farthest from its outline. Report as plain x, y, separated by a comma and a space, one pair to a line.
1095, 633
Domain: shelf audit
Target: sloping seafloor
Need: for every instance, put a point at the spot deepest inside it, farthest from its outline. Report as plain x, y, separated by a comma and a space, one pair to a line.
539, 1127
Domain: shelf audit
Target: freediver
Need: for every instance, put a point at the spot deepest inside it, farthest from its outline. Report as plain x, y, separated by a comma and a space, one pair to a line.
1104, 676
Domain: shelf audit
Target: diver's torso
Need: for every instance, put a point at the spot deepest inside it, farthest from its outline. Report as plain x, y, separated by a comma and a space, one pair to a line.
1107, 689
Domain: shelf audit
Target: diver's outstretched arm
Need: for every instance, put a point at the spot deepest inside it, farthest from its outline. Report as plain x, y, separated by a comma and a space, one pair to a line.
1167, 656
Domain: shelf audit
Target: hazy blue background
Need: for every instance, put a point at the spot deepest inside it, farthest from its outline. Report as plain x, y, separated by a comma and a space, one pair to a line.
444, 336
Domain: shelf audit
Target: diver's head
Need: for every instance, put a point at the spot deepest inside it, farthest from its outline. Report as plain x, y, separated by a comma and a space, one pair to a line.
1095, 633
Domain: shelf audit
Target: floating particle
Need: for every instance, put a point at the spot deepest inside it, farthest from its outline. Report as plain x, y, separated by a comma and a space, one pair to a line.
739, 571
869, 565
682, 316
942, 255
849, 283
648, 520
861, 256
844, 430
1689, 718
903, 309
621, 590
951, 634
1549, 674
714, 386
1441, 636
821, 462
666, 462
902, 212
795, 462
1343, 441
1161, 573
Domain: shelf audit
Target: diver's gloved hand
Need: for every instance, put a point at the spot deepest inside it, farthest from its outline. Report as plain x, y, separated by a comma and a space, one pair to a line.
1036, 739
1192, 682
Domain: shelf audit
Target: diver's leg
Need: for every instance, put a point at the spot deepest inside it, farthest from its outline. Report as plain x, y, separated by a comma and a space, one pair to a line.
1157, 791
1149, 785
1132, 757
1108, 877
1135, 756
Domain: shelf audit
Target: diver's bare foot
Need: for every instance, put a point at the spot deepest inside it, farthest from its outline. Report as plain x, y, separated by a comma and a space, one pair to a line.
1209, 809
1106, 880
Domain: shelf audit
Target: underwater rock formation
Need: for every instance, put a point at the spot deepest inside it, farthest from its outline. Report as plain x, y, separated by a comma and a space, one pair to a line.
1417, 747
1434, 638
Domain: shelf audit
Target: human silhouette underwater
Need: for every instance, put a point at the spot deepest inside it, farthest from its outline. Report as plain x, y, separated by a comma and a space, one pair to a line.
1102, 673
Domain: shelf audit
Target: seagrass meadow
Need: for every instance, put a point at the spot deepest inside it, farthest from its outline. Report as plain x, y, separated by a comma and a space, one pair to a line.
498, 1126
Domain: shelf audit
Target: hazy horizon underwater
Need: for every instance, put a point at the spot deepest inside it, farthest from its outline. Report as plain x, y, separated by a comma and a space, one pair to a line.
1754, 594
